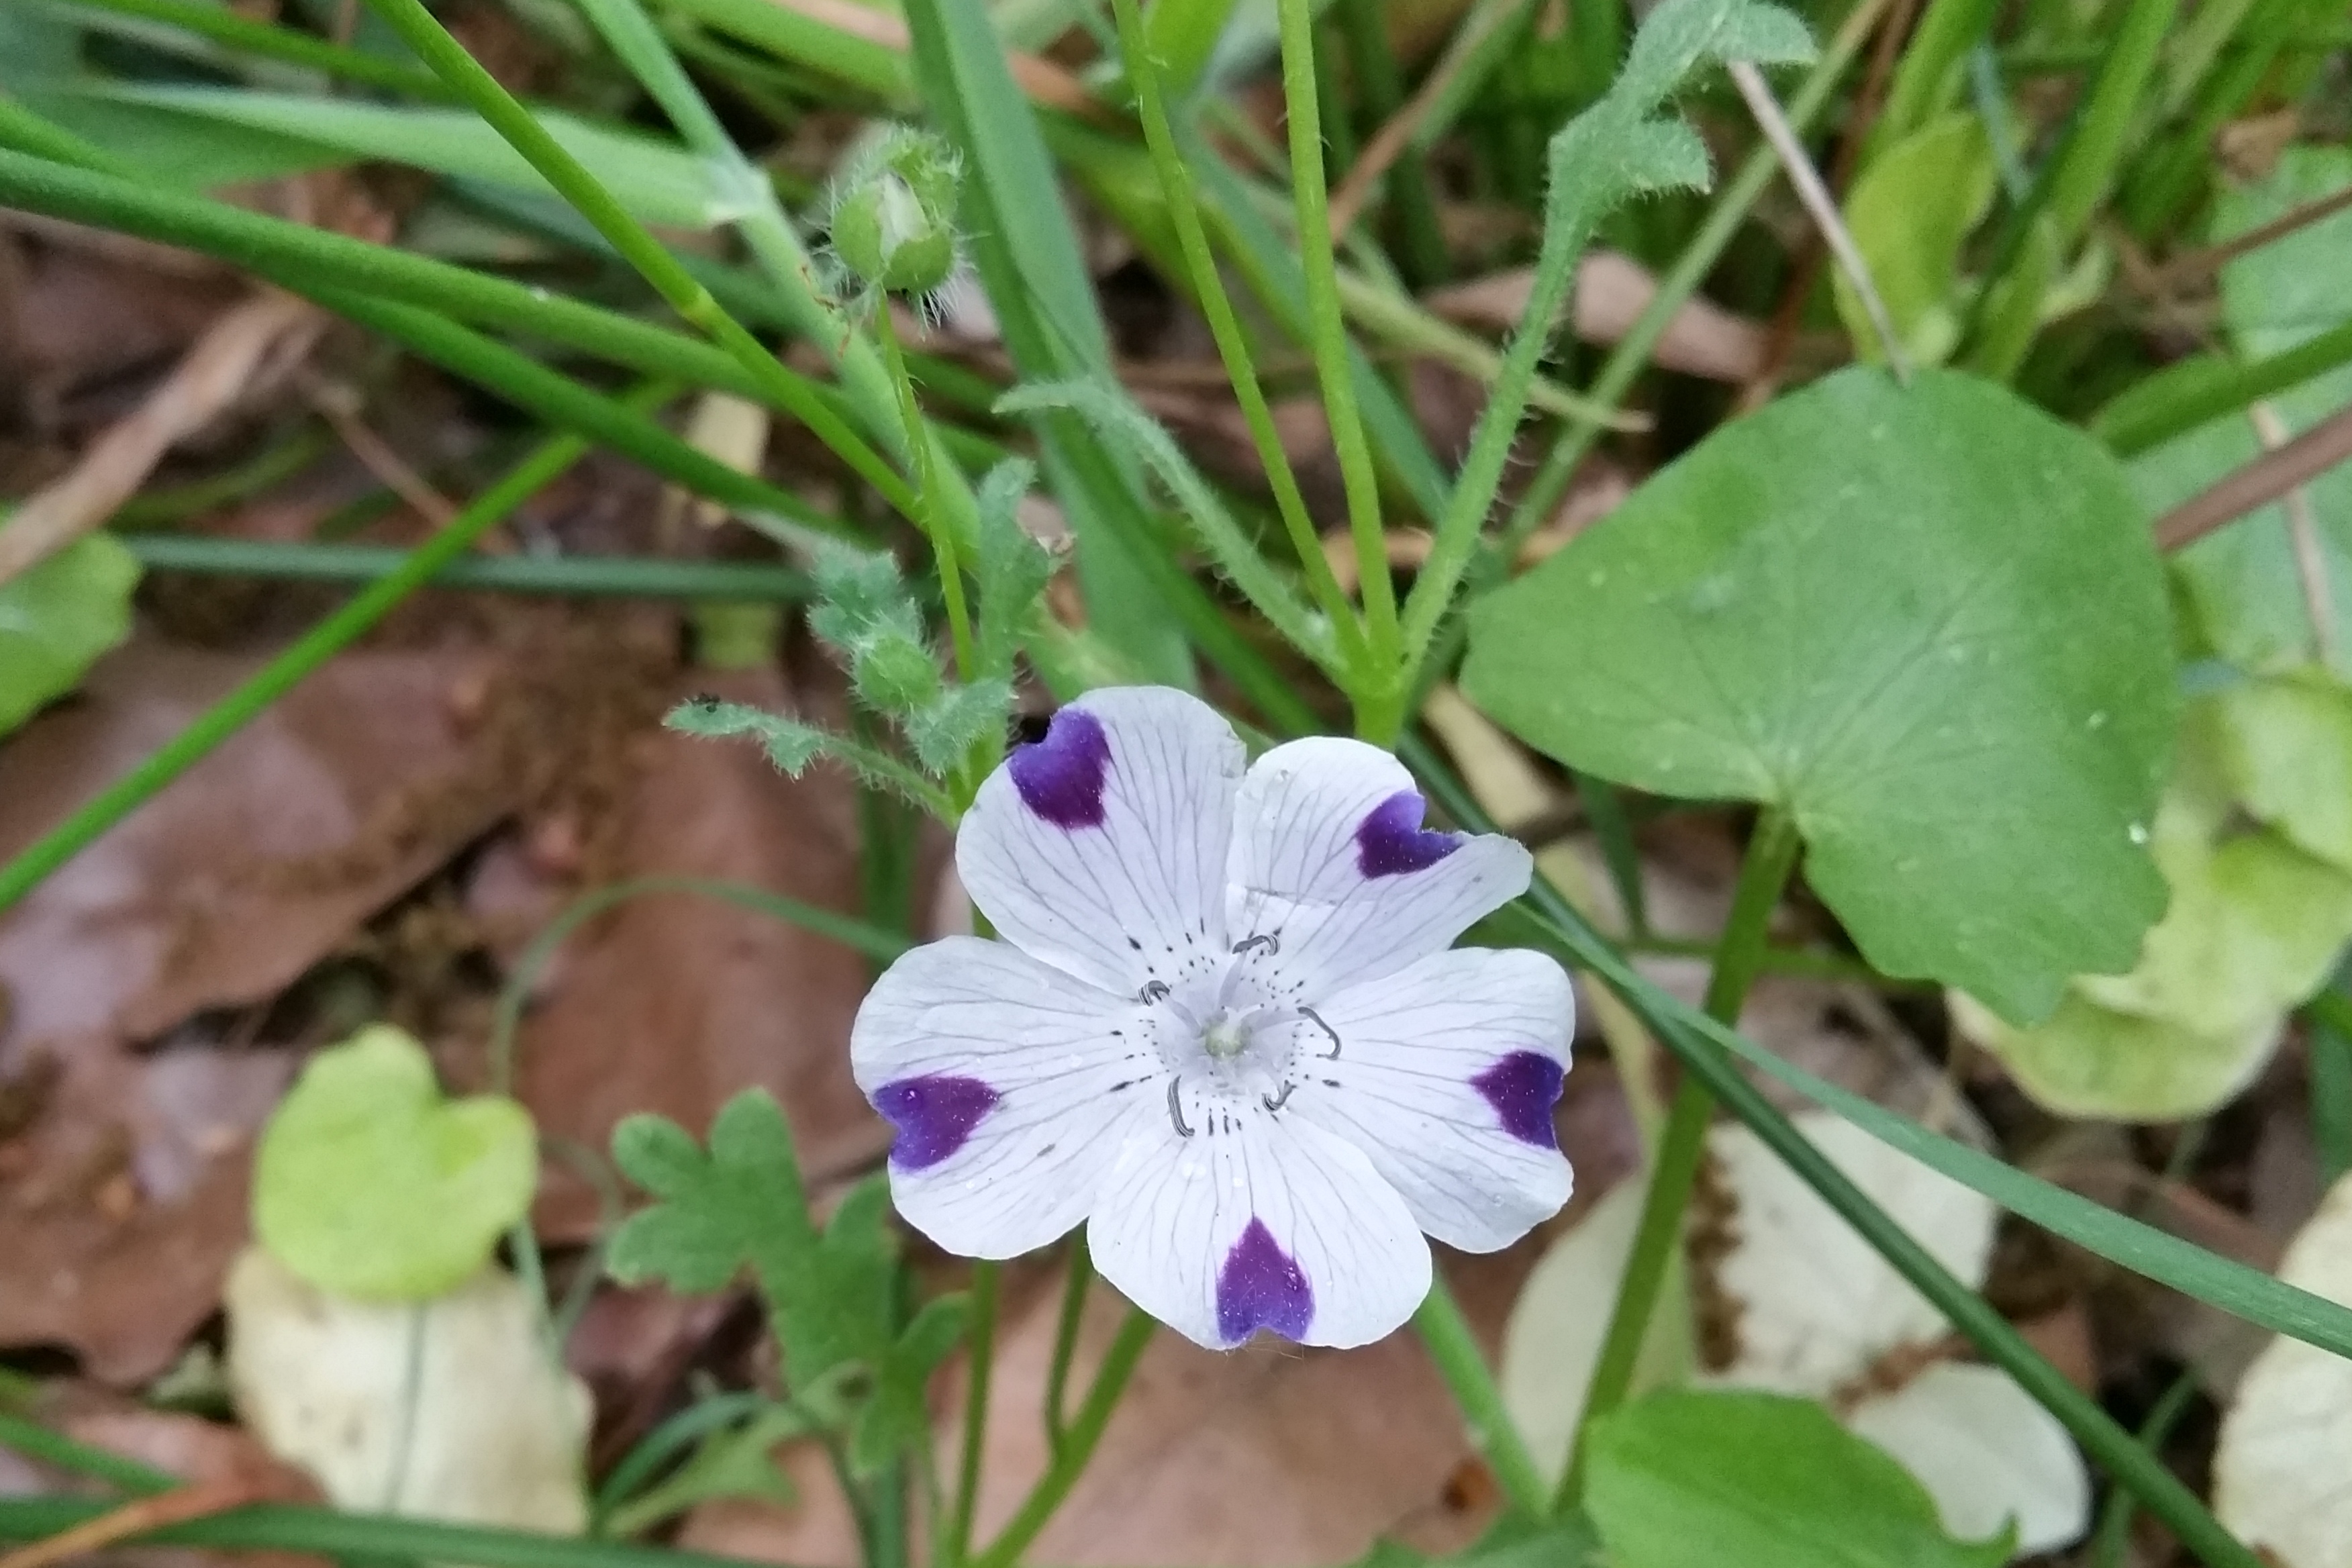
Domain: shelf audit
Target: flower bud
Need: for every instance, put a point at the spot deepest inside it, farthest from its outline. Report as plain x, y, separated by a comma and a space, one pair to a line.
895, 674
894, 213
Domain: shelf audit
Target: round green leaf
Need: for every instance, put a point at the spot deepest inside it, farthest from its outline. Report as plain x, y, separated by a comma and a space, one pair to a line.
370, 1185
1928, 622
59, 616
1701, 1480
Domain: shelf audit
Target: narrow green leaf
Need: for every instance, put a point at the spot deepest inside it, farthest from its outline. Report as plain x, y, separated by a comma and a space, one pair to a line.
2132, 1244
1044, 304
657, 181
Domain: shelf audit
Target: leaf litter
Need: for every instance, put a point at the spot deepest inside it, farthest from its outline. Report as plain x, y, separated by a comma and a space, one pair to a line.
160, 1014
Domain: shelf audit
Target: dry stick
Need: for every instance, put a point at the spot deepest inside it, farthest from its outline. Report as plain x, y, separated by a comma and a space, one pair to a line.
2259, 483
212, 376
196, 1500
376, 456
2193, 265
1869, 103
1807, 182
2303, 535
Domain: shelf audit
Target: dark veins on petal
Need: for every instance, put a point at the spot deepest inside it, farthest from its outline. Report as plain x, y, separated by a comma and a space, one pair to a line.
934, 1115
1523, 1088
1389, 841
1061, 777
1262, 1287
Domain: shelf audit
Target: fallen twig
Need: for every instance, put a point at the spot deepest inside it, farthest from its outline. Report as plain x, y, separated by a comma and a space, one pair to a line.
2259, 482
217, 371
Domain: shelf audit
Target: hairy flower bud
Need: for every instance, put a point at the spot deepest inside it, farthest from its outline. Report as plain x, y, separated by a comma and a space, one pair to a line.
895, 674
894, 213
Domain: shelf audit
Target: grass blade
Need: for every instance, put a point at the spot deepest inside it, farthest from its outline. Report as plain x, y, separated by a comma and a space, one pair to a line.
1045, 303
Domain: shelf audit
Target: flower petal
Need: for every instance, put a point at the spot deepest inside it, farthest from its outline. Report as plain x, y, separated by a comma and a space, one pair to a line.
1445, 1078
1330, 860
1102, 848
1012, 1086
1258, 1220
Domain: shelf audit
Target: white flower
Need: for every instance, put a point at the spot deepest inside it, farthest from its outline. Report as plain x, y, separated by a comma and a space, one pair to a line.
1224, 1029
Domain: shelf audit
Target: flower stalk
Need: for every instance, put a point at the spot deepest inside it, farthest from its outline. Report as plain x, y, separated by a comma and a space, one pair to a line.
1673, 1170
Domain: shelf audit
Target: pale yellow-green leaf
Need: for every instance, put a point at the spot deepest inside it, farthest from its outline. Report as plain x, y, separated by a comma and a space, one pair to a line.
2255, 925
2089, 1060
2286, 747
1910, 213
369, 1184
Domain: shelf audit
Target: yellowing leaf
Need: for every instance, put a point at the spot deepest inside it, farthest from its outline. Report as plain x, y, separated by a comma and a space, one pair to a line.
1985, 1451
2286, 749
1818, 1307
1910, 212
449, 1409
2279, 1472
2089, 1060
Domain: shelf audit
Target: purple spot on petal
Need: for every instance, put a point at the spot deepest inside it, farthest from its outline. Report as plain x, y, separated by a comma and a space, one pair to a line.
934, 1114
1523, 1088
1262, 1287
1389, 841
1061, 777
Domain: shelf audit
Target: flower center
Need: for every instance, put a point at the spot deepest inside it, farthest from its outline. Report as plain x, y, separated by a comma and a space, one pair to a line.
1229, 1042
1227, 1035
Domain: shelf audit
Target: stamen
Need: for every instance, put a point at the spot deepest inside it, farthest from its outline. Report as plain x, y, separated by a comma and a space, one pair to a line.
1270, 940
1312, 1016
1154, 991
1276, 1101
1175, 1113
